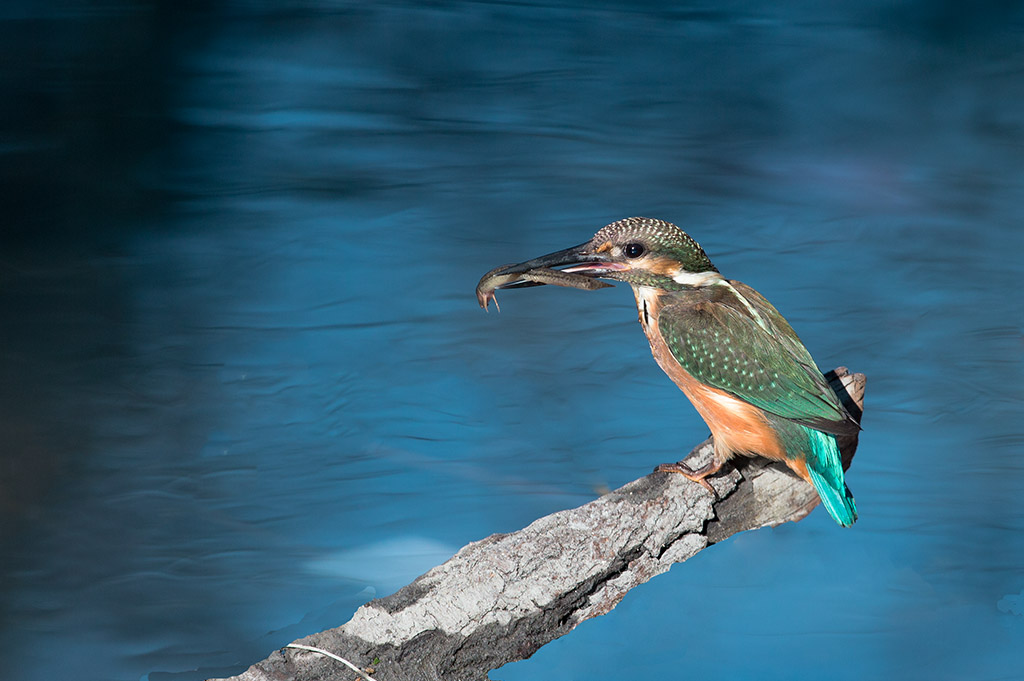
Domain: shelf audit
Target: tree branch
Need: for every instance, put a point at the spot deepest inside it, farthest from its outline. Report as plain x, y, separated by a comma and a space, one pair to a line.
500, 599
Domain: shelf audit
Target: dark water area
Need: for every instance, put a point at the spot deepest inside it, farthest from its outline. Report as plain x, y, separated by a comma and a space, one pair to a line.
245, 386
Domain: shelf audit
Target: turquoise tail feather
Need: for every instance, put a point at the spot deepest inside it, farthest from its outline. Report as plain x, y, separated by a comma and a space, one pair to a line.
826, 471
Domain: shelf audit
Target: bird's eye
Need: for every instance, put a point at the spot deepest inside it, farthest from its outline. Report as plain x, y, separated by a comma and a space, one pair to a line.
633, 250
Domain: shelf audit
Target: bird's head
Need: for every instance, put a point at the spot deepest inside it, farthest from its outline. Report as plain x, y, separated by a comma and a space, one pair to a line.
638, 251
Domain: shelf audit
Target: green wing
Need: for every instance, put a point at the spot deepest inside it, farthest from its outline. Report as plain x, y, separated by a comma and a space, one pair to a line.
726, 348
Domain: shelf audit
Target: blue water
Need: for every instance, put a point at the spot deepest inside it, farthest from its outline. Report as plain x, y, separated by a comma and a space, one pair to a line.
245, 386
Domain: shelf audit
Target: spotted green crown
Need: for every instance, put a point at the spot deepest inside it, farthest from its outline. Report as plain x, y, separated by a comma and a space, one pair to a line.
661, 237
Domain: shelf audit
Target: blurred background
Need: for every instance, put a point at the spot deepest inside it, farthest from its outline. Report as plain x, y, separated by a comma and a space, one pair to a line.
245, 386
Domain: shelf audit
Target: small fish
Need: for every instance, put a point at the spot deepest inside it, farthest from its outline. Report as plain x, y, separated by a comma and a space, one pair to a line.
497, 278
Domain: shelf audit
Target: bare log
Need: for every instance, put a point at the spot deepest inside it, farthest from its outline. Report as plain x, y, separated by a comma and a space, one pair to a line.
500, 599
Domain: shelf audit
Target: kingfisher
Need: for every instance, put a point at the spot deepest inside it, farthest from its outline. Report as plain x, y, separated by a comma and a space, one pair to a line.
723, 344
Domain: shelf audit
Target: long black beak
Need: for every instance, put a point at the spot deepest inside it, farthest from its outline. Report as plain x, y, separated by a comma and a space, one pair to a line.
570, 256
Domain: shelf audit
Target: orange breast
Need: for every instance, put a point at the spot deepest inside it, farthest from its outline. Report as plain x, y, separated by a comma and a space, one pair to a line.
738, 427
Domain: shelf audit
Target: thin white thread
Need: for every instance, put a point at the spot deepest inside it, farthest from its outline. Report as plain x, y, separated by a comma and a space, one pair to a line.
331, 655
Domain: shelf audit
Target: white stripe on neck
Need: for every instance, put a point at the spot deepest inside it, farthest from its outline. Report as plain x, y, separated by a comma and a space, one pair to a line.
697, 278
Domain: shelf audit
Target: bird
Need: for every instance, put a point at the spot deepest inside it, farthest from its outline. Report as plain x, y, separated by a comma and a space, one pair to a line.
728, 349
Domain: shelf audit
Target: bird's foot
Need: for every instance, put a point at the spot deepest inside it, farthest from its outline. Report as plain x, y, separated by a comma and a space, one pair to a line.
699, 476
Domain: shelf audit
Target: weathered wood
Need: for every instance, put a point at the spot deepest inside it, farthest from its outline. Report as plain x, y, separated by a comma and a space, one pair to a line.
500, 599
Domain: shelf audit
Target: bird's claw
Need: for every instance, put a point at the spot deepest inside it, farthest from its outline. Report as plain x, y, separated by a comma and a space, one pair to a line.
700, 477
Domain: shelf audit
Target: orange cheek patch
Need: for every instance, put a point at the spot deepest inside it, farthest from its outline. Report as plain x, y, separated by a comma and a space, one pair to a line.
663, 266
604, 248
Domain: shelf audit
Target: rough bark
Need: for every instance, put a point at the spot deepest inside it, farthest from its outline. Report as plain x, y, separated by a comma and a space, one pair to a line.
500, 599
